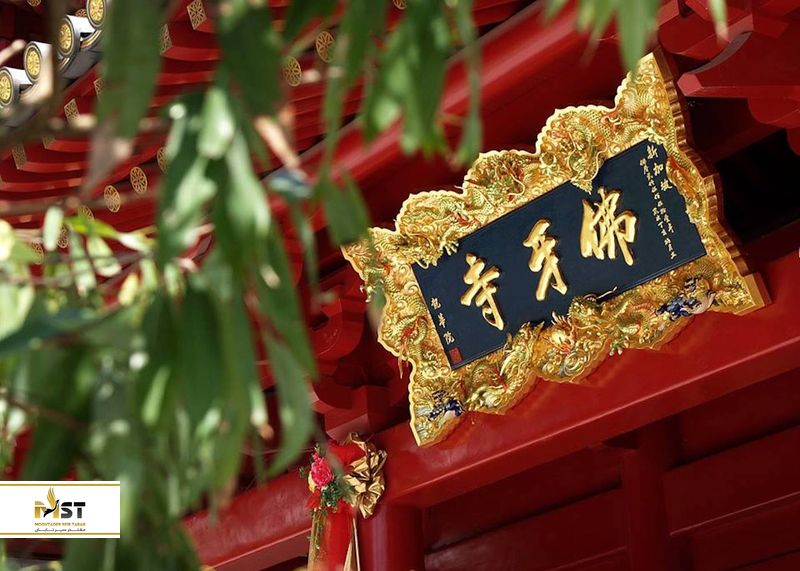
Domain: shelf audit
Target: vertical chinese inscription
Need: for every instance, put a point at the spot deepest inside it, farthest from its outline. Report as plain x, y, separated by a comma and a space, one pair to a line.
482, 290
544, 259
603, 230
652, 168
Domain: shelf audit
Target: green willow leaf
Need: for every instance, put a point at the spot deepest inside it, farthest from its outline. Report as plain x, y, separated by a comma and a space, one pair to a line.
96, 554
15, 303
199, 356
471, 133
553, 7
294, 405
595, 15
102, 256
251, 53
719, 13
131, 60
280, 302
635, 21
40, 327
363, 21
56, 442
411, 78
154, 387
246, 201
82, 268
219, 124
345, 211
305, 232
53, 220
186, 189
292, 185
300, 14
240, 376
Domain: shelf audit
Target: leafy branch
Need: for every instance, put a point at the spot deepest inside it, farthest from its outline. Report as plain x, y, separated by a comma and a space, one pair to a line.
143, 345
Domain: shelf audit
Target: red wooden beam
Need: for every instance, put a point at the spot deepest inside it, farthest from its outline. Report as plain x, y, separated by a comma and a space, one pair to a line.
262, 527
716, 355
554, 540
734, 508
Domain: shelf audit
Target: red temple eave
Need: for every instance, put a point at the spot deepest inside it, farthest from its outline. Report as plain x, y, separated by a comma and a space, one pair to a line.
513, 57
716, 355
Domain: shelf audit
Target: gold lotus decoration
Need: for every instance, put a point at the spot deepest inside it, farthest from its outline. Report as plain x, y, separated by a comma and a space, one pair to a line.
572, 147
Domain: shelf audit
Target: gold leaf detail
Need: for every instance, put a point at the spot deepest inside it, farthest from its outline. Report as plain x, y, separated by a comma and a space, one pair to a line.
20, 158
112, 199
292, 72
97, 12
33, 61
161, 158
197, 13
138, 180
324, 46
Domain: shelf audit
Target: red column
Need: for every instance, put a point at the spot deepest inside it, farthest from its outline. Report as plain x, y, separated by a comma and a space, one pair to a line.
392, 540
643, 465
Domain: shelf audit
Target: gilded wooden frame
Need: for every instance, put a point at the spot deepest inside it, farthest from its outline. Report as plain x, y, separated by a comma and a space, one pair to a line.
571, 147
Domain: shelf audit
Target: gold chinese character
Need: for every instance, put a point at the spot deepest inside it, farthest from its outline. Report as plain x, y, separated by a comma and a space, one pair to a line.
435, 303
442, 320
449, 337
482, 290
544, 260
603, 229
665, 185
658, 168
652, 152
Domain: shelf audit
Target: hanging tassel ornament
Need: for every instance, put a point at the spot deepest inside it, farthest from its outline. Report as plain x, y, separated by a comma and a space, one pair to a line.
345, 481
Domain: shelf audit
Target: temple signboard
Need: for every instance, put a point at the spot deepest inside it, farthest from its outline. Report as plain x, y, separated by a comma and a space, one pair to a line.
531, 263
606, 238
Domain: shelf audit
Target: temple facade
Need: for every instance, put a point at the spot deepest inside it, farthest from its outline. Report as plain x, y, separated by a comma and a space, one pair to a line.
682, 455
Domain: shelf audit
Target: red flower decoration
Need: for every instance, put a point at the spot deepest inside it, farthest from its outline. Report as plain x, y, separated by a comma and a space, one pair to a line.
314, 500
321, 472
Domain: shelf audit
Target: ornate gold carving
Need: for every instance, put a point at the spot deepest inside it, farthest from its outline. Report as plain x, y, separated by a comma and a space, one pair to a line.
66, 38
33, 61
99, 85
96, 9
20, 158
138, 180
111, 198
165, 39
161, 158
34, 3
63, 237
86, 212
399, 4
572, 146
81, 12
292, 72
6, 87
324, 46
197, 13
38, 252
71, 110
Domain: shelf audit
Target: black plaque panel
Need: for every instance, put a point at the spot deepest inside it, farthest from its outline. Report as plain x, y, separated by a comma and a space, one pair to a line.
665, 239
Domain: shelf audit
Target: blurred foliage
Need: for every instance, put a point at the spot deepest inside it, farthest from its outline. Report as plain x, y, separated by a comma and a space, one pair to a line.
126, 360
